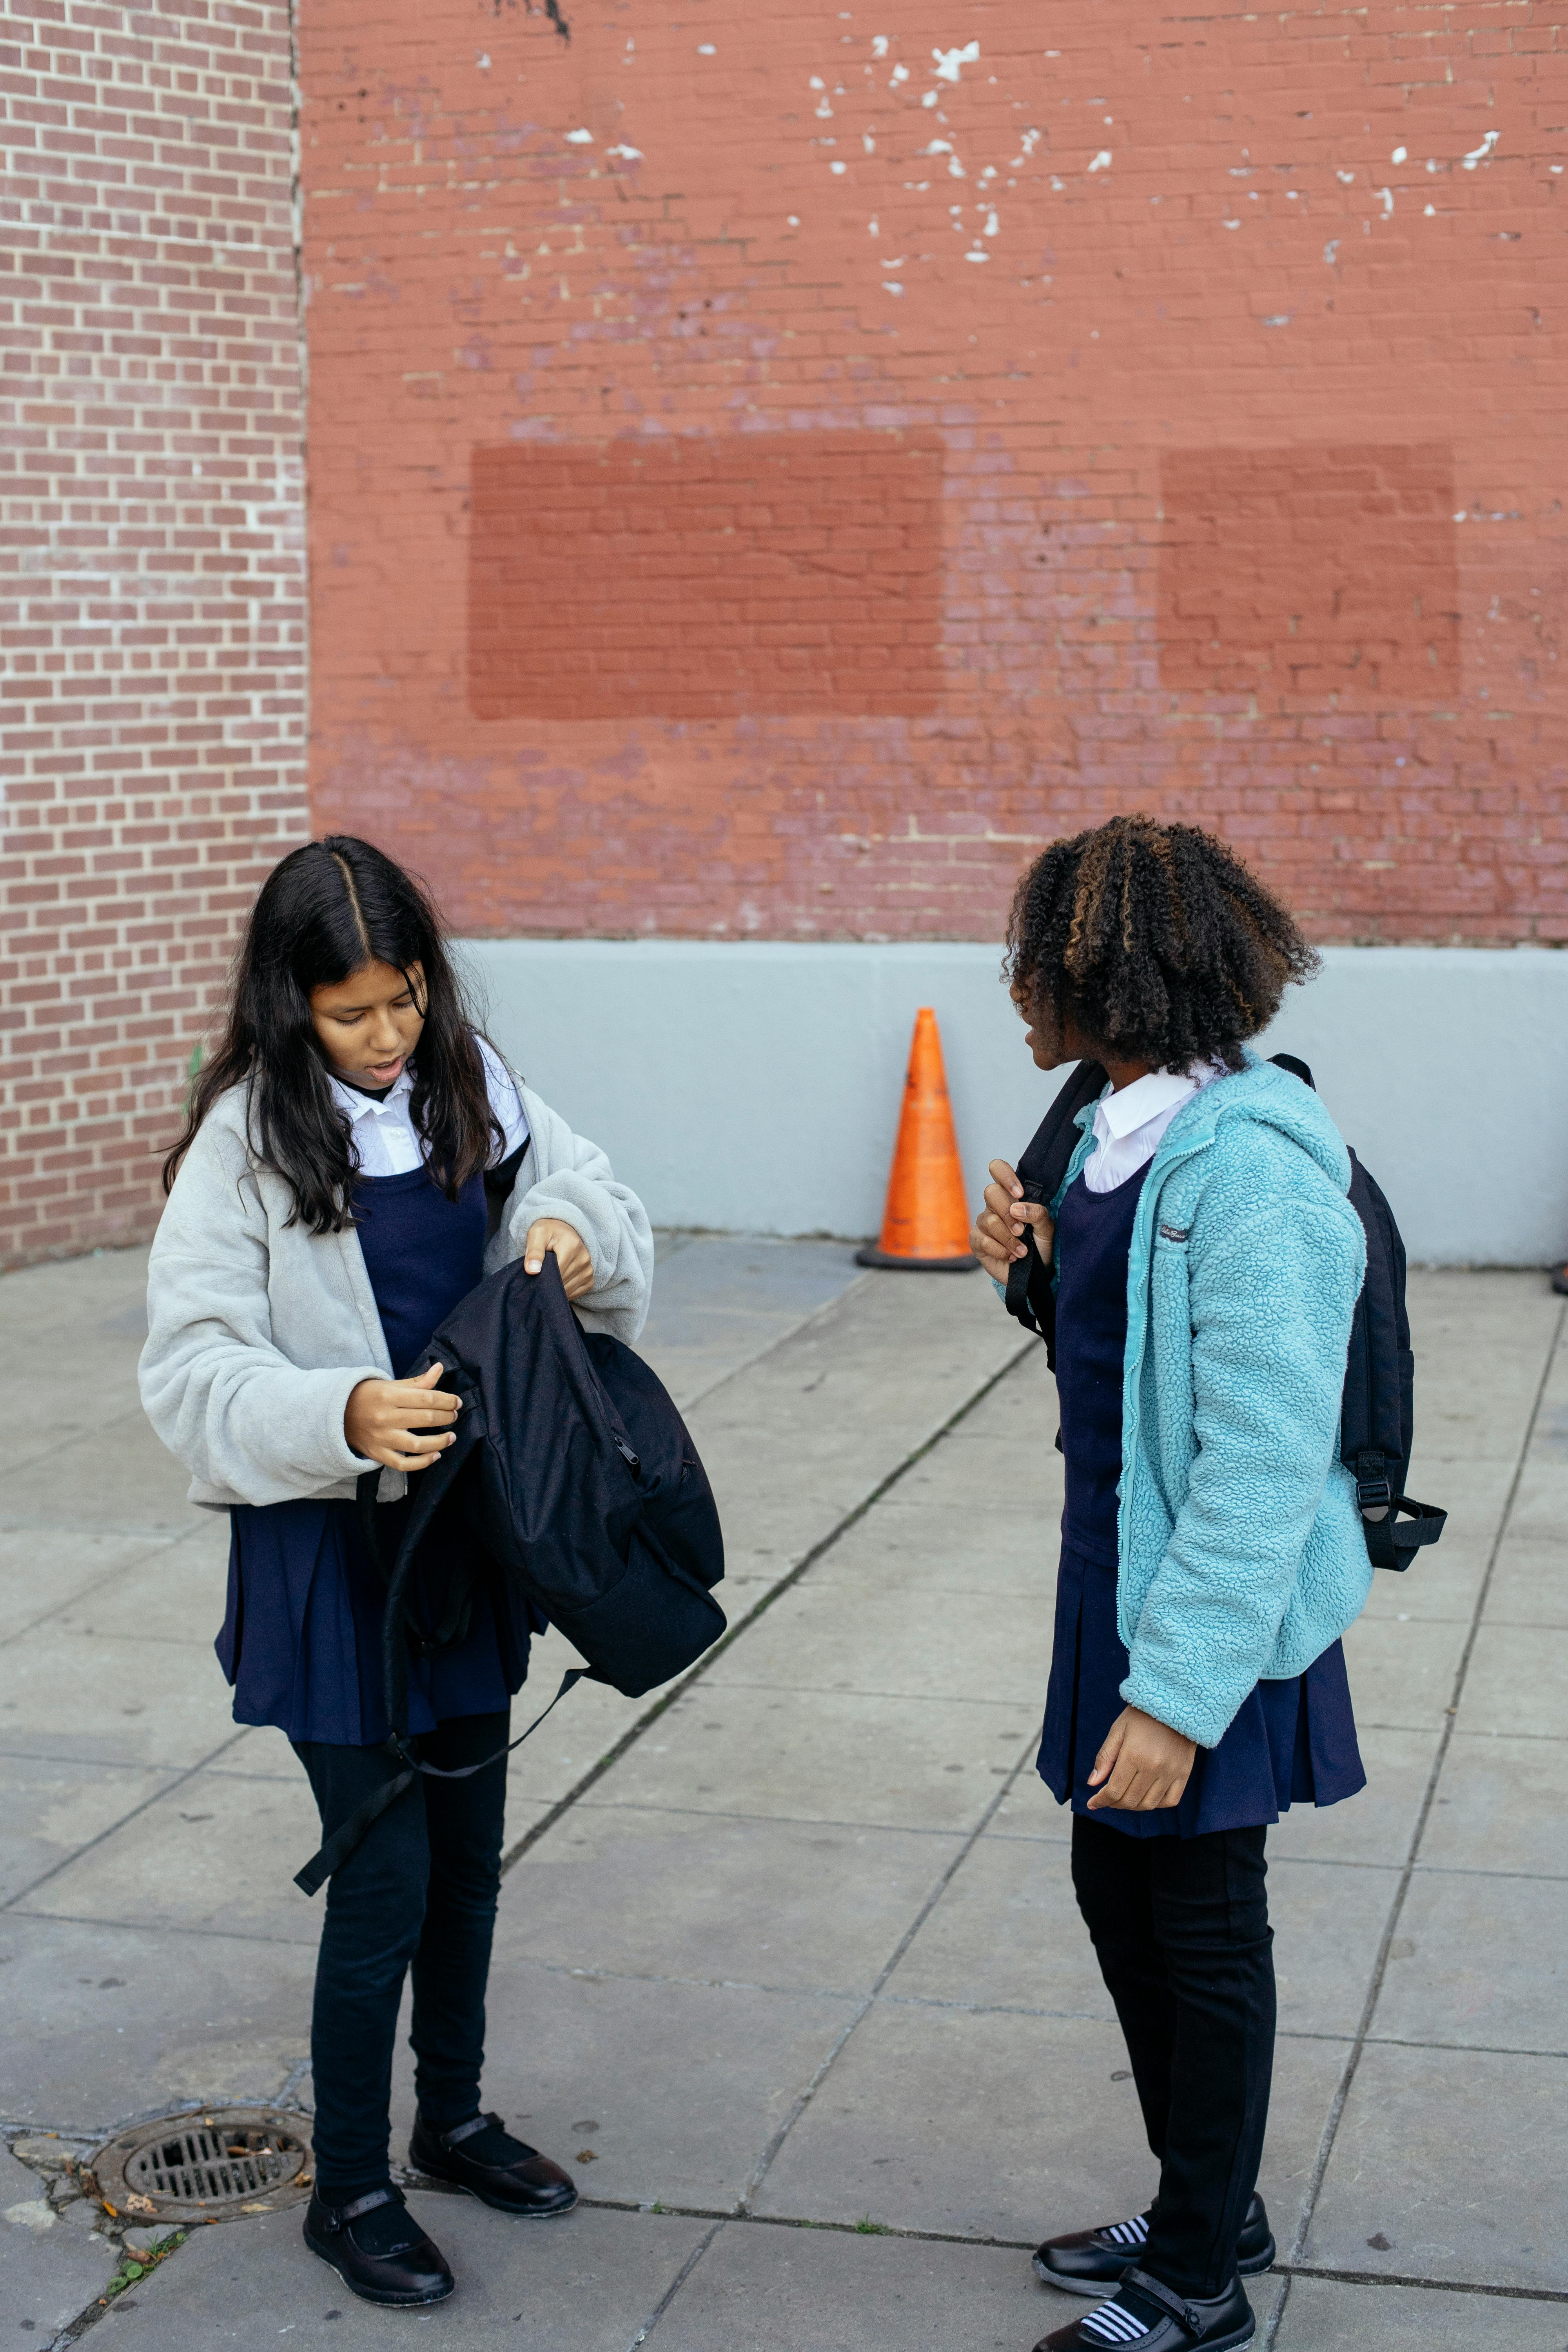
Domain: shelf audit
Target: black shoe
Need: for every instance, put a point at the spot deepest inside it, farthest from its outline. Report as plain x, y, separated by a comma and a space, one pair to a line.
1560, 1280
1145, 2316
1091, 2262
502, 2171
404, 2266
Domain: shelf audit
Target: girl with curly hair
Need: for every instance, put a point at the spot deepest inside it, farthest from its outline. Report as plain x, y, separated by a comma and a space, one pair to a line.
1206, 1262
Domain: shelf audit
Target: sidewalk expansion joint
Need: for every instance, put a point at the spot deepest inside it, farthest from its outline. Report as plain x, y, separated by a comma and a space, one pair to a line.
155, 1797
808, 1559
1290, 2270
675, 2283
689, 1404
1295, 2259
868, 2000
1427, 2286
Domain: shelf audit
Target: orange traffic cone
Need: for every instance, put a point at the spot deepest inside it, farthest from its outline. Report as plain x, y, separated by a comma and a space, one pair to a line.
926, 1222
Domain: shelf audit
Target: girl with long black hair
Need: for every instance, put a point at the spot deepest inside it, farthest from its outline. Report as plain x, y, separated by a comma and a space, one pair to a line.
356, 1157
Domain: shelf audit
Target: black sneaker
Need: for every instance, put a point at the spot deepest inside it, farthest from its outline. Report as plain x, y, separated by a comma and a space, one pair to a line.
482, 2157
1145, 2316
1091, 2262
390, 2260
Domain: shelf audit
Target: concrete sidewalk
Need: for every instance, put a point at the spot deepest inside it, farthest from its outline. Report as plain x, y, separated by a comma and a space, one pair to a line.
795, 1984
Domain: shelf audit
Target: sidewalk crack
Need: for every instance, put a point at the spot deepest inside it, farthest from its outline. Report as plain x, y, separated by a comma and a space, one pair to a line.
808, 1559
675, 2283
868, 2000
1295, 2259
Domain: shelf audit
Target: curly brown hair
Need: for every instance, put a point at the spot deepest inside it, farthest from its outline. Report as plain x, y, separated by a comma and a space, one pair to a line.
1155, 940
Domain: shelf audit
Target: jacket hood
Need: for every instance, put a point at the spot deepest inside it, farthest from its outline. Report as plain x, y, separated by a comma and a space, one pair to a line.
1267, 1097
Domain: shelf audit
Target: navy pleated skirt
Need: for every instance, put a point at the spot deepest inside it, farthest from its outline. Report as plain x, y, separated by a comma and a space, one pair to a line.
302, 1634
1290, 1743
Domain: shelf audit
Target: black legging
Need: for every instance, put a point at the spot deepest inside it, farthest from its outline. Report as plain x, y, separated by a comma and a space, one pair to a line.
421, 1888
1180, 1932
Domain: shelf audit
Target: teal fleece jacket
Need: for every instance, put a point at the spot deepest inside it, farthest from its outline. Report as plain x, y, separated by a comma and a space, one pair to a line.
1241, 1550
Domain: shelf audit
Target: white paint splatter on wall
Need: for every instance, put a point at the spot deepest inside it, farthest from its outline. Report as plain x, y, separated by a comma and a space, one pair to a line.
948, 61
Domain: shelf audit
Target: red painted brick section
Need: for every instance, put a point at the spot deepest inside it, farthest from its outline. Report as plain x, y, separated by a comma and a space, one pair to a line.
153, 620
1157, 284
695, 578
1295, 574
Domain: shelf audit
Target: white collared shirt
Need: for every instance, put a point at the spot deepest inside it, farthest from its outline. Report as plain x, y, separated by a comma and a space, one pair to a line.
1128, 1126
383, 1135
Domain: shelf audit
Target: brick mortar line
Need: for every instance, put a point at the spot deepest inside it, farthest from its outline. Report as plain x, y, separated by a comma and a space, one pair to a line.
1374, 1991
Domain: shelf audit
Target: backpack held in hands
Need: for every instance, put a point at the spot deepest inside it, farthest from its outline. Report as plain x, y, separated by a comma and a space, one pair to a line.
573, 1480
1377, 1416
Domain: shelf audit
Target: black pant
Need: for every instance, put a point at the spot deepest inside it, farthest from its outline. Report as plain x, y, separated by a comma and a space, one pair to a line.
1180, 1932
421, 1888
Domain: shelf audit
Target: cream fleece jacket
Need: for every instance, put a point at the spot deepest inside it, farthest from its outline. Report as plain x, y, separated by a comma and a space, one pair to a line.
258, 1330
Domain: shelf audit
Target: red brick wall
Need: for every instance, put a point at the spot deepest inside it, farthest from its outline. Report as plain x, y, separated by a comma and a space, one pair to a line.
153, 592
1240, 336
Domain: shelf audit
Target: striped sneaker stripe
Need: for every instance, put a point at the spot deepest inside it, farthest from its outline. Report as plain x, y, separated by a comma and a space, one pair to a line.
1114, 2324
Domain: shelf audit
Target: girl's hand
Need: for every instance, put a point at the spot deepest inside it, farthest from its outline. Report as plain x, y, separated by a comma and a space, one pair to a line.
402, 1424
1143, 1763
571, 1254
997, 1237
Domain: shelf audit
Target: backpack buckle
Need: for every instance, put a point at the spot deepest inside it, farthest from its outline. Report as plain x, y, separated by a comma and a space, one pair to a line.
1373, 1490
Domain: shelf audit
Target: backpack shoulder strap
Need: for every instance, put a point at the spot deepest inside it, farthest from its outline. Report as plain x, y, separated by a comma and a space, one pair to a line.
1041, 1167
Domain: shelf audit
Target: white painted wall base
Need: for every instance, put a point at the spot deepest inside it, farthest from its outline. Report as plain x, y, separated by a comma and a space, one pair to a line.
755, 1086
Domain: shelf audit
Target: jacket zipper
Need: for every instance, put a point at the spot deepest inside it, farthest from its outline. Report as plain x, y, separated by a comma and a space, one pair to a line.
1133, 1373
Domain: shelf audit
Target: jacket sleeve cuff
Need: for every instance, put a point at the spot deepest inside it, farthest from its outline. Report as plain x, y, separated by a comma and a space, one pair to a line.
1198, 1715
324, 1411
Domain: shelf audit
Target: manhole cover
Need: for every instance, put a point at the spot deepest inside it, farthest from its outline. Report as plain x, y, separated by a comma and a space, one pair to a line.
210, 2167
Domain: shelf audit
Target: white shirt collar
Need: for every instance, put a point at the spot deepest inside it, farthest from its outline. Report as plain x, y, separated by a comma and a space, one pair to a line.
358, 1106
1132, 1107
1130, 1126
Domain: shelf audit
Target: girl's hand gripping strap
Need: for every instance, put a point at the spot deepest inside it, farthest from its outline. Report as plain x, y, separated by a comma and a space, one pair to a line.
1022, 1287
1041, 1167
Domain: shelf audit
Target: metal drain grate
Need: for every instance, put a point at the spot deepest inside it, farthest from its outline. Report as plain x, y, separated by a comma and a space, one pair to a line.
209, 2165
214, 2167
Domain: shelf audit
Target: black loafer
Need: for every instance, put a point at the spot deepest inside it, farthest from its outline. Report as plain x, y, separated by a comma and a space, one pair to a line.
1145, 2316
527, 2184
1093, 2262
411, 2271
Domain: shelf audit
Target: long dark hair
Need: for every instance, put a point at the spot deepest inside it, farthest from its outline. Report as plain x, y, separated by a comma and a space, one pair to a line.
1155, 941
325, 912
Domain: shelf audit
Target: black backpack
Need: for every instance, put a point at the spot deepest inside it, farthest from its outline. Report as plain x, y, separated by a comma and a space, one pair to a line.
1377, 1416
574, 1479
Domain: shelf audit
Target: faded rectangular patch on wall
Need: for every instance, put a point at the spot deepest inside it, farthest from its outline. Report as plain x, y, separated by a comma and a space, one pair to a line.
1309, 571
703, 578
